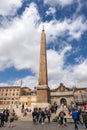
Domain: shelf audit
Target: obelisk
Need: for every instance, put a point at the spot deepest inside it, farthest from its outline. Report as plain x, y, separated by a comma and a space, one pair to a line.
43, 91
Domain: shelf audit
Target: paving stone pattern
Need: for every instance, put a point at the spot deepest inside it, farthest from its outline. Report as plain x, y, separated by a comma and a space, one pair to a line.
27, 125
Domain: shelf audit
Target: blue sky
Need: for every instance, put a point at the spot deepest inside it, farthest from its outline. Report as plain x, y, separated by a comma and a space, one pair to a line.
65, 23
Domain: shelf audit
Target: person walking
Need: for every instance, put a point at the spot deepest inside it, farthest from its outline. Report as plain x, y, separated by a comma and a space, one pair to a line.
11, 118
65, 120
80, 117
3, 118
43, 117
34, 115
59, 120
75, 116
7, 115
40, 115
84, 116
62, 117
48, 115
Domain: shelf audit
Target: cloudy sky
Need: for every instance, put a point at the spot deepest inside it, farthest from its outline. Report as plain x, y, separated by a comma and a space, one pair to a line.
65, 23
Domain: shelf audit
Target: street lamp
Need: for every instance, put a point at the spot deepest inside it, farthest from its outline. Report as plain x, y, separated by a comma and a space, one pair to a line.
74, 89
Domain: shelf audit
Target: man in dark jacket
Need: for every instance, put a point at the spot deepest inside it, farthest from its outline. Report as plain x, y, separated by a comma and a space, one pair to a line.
75, 116
34, 115
0, 119
84, 116
2, 116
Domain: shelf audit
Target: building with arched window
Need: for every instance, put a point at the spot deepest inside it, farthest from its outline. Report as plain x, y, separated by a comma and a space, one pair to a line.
62, 95
65, 95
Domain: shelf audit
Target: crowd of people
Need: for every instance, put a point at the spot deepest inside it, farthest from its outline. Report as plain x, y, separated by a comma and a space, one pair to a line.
78, 115
7, 117
42, 116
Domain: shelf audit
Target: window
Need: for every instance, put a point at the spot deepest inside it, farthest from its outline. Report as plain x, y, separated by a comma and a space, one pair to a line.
80, 91
16, 94
6, 89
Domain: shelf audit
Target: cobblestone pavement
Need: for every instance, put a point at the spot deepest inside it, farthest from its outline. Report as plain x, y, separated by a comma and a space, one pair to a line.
26, 125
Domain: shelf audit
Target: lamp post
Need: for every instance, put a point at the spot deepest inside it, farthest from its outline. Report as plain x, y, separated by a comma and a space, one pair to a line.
74, 89
82, 99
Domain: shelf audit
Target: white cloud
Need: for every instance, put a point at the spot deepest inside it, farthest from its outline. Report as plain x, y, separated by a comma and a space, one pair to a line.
81, 69
77, 27
51, 11
19, 47
79, 7
29, 81
56, 63
73, 28
19, 39
22, 35
74, 75
79, 59
9, 7
58, 2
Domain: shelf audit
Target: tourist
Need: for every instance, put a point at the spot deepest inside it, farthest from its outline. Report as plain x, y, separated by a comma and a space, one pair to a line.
34, 115
61, 117
7, 115
2, 118
80, 117
75, 116
59, 120
48, 115
24, 112
40, 115
65, 120
84, 116
52, 109
43, 117
22, 106
11, 119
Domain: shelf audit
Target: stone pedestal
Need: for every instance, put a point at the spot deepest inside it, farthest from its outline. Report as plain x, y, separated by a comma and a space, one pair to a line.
43, 94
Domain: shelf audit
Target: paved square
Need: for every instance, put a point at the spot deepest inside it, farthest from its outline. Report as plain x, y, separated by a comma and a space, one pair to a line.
26, 125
